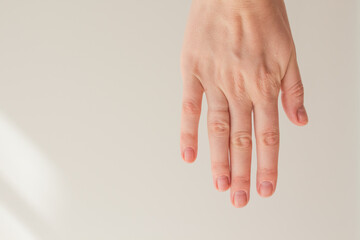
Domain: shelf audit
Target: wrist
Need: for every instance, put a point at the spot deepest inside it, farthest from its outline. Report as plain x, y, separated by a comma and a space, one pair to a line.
249, 5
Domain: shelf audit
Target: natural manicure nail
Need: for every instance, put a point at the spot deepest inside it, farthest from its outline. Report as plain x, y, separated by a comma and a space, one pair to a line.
302, 115
189, 155
222, 183
266, 189
240, 199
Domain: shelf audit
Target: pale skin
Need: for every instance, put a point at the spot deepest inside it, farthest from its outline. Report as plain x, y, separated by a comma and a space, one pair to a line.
241, 54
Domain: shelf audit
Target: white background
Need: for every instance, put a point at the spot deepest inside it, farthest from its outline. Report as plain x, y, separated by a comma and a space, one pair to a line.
90, 96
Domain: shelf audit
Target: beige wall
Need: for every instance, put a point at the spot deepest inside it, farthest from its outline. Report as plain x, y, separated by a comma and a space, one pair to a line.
89, 120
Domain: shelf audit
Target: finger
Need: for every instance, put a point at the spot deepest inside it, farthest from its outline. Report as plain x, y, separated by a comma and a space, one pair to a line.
266, 125
240, 151
191, 110
218, 128
293, 94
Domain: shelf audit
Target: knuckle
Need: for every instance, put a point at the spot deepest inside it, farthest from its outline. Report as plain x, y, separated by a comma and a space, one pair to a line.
186, 59
297, 90
241, 97
189, 107
219, 128
271, 138
238, 89
239, 83
186, 137
268, 85
240, 180
189, 65
241, 140
220, 168
268, 172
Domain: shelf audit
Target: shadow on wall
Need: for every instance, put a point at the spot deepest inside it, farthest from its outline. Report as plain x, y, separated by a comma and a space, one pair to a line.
28, 185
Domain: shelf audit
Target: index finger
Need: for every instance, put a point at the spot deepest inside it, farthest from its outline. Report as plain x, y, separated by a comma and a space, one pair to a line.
191, 110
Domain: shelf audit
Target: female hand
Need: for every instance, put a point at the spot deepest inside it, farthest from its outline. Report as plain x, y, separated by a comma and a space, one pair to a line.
240, 53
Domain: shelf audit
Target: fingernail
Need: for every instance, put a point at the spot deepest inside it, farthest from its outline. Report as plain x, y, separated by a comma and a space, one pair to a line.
302, 115
189, 155
222, 183
266, 189
240, 199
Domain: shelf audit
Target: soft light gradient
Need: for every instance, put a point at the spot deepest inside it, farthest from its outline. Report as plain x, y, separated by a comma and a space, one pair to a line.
90, 95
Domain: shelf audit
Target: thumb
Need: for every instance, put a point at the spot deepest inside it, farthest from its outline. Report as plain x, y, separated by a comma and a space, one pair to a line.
293, 94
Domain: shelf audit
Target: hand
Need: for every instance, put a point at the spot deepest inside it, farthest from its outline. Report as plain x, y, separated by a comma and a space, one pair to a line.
240, 53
